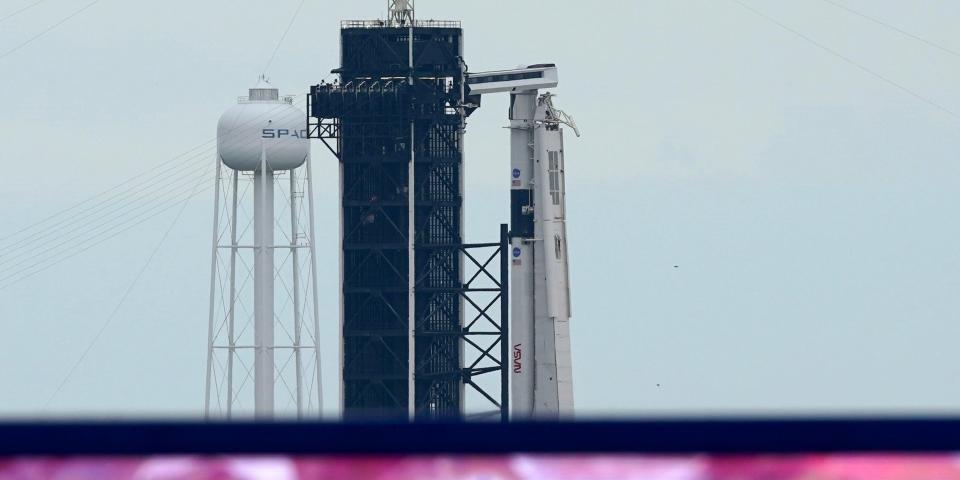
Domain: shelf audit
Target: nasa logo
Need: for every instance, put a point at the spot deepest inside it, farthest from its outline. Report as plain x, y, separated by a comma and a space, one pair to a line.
516, 173
283, 132
517, 356
516, 252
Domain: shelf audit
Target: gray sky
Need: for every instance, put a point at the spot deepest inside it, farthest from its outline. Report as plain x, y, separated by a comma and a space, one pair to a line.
808, 204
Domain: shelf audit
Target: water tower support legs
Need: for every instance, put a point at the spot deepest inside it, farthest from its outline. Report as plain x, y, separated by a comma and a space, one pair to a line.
213, 283
231, 332
313, 287
297, 315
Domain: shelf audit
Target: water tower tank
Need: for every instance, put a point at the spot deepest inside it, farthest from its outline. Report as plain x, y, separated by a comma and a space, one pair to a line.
263, 122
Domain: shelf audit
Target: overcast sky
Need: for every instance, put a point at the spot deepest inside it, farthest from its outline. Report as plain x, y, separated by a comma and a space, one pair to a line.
809, 205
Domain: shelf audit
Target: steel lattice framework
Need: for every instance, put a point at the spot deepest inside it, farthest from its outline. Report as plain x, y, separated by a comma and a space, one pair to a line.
395, 120
231, 338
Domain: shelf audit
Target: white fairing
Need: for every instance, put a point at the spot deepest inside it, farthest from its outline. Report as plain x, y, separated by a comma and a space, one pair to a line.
253, 125
554, 382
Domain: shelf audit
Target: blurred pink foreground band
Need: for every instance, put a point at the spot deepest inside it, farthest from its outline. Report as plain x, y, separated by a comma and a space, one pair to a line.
514, 467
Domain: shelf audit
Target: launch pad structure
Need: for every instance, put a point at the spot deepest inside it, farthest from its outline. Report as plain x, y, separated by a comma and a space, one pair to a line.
416, 339
425, 318
415, 335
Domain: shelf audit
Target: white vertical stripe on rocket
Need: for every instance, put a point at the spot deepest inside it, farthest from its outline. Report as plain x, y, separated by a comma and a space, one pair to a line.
522, 366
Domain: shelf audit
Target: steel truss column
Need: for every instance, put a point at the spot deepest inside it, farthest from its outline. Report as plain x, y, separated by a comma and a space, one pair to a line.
504, 323
484, 337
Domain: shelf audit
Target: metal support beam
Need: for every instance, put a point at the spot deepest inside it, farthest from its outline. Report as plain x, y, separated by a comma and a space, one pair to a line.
504, 323
485, 336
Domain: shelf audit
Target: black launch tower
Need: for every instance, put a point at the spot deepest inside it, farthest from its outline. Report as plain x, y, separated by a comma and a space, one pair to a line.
395, 120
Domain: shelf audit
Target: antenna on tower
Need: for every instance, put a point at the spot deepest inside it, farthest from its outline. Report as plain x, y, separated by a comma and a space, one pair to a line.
400, 13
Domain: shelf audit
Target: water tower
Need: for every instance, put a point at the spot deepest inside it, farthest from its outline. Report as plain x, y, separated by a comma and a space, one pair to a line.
263, 353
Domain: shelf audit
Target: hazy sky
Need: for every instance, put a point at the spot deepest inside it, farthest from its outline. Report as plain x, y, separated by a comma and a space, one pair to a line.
809, 205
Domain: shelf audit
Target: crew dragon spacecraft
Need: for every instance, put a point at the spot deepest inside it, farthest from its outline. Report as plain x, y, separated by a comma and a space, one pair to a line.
541, 378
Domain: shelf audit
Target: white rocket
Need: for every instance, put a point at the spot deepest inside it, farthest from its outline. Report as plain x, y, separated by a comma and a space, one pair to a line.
541, 378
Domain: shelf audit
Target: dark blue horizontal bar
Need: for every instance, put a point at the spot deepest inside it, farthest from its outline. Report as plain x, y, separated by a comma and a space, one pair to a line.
653, 437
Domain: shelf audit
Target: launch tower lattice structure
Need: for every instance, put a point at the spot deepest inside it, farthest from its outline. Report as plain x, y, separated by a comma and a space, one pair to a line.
415, 335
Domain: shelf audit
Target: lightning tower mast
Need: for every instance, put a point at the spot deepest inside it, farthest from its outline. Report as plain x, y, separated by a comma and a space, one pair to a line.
400, 13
